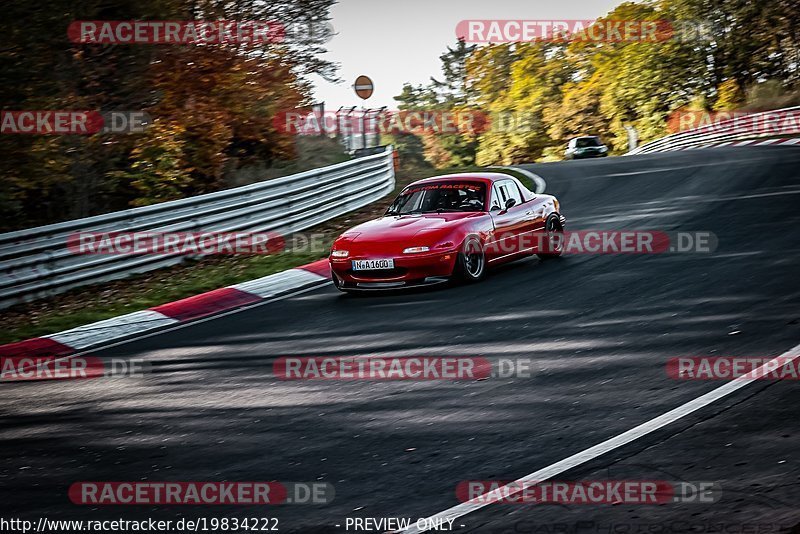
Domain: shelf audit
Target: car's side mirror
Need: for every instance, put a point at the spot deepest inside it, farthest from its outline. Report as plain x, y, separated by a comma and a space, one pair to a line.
511, 202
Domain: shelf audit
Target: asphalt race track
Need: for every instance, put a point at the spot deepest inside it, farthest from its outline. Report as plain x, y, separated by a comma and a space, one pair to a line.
598, 328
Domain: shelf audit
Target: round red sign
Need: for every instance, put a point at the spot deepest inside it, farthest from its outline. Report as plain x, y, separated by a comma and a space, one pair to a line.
363, 87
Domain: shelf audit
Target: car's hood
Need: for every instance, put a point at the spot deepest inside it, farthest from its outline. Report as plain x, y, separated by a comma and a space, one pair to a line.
405, 229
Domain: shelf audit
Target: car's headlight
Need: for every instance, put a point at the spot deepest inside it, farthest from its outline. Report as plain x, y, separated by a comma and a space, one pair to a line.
415, 250
603, 149
340, 253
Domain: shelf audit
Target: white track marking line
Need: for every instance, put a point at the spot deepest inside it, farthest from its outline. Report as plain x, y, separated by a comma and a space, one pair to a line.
187, 324
178, 325
123, 328
541, 185
278, 283
110, 329
614, 443
647, 171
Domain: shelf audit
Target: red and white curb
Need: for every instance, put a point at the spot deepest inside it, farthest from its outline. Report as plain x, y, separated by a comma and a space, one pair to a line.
749, 142
188, 309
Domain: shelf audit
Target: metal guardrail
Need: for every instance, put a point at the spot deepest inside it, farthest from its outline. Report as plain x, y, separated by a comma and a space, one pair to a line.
734, 129
36, 263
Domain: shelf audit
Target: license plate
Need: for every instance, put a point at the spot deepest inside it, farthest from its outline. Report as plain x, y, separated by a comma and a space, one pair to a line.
370, 265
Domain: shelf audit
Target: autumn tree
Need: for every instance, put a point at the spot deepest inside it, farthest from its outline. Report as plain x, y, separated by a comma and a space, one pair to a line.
211, 104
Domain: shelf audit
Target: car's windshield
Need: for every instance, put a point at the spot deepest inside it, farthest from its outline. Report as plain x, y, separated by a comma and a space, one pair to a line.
439, 197
584, 142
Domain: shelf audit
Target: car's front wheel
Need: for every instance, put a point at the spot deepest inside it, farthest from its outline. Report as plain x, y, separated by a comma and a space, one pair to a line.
554, 236
471, 261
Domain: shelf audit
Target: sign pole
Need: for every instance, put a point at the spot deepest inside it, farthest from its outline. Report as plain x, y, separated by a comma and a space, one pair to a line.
363, 87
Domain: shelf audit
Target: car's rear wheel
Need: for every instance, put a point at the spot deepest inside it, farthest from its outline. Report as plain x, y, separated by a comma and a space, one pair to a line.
553, 244
471, 261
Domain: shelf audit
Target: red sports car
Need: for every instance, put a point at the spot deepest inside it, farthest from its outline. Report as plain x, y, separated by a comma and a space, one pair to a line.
445, 227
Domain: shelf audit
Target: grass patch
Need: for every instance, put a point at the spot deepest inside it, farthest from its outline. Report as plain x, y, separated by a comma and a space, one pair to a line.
103, 301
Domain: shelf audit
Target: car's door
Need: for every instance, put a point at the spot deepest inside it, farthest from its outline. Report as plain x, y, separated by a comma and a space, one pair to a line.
509, 223
536, 211
570, 148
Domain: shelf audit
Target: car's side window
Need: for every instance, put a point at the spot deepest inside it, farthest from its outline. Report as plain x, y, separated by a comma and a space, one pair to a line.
503, 193
510, 190
497, 199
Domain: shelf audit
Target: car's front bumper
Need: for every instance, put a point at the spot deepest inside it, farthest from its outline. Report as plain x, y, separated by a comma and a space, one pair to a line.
409, 270
591, 154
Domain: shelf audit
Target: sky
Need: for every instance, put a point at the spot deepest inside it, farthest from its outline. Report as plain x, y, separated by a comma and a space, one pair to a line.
400, 41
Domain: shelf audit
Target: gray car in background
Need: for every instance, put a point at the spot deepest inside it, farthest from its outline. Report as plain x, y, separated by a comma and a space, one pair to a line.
588, 146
